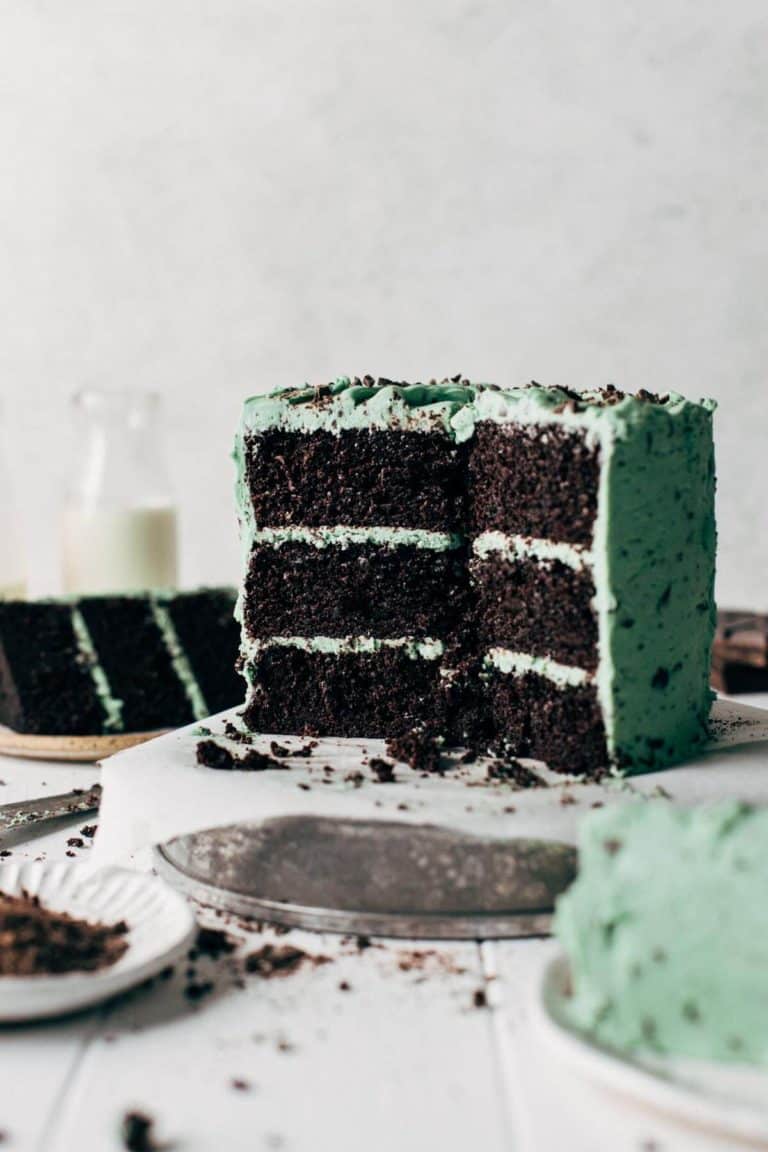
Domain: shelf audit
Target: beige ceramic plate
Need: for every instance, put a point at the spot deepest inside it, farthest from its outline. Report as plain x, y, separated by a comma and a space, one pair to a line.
82, 748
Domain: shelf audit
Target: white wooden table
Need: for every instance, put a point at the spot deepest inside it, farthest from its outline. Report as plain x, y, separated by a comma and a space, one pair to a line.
403, 1060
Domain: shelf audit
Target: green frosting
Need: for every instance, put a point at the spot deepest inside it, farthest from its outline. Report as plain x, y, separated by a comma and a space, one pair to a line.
666, 930
654, 571
513, 663
178, 658
346, 645
342, 536
347, 404
111, 705
495, 545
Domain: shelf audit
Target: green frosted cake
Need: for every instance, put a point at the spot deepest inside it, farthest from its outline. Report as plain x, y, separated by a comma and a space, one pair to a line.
666, 930
530, 567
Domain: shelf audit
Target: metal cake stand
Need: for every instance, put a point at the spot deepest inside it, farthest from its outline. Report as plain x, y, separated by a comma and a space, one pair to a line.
373, 877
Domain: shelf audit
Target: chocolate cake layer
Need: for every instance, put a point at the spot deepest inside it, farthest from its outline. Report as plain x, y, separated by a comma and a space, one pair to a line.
210, 636
46, 687
298, 589
377, 695
533, 481
136, 662
543, 608
541, 720
360, 477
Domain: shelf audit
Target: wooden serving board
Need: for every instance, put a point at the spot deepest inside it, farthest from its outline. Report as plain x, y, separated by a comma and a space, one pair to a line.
75, 748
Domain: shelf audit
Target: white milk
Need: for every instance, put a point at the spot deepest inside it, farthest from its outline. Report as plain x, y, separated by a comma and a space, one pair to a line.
118, 550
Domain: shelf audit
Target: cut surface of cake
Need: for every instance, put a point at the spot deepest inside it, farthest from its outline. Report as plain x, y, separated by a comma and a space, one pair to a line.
666, 930
529, 566
104, 664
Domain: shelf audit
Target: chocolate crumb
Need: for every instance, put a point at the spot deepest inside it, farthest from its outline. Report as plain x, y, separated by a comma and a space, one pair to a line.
355, 778
197, 989
280, 960
480, 998
137, 1133
76, 842
419, 749
89, 831
363, 942
345, 986
214, 942
240, 1085
382, 770
514, 772
236, 734
279, 749
213, 755
6, 852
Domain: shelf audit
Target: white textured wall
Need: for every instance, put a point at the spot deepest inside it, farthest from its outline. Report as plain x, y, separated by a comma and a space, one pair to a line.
217, 196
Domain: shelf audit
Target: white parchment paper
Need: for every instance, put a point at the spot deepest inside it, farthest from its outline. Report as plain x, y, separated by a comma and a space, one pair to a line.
158, 791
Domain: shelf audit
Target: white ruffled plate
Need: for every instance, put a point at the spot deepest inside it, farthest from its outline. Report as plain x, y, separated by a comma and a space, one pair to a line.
160, 922
726, 1098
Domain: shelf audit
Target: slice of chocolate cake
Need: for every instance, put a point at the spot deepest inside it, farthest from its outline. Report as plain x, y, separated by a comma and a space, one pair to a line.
353, 507
528, 565
103, 664
593, 541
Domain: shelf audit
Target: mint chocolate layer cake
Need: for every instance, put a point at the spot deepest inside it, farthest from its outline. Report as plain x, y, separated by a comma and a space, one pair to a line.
528, 566
103, 664
666, 930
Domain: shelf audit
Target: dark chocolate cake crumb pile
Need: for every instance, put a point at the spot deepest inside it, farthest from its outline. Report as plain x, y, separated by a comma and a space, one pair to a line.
277, 960
212, 942
419, 749
382, 770
213, 755
514, 772
35, 940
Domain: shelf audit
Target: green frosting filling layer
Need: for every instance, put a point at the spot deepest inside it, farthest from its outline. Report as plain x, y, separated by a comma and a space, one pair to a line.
511, 663
113, 707
493, 545
345, 645
178, 657
666, 930
341, 536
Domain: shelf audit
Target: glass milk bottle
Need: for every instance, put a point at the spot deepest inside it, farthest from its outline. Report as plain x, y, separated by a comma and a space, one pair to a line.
119, 523
12, 566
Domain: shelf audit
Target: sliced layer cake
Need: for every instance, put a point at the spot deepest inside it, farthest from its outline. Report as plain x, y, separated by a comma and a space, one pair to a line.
528, 565
103, 664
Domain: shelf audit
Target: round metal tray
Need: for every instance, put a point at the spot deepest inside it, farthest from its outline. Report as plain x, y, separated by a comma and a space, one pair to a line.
373, 877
